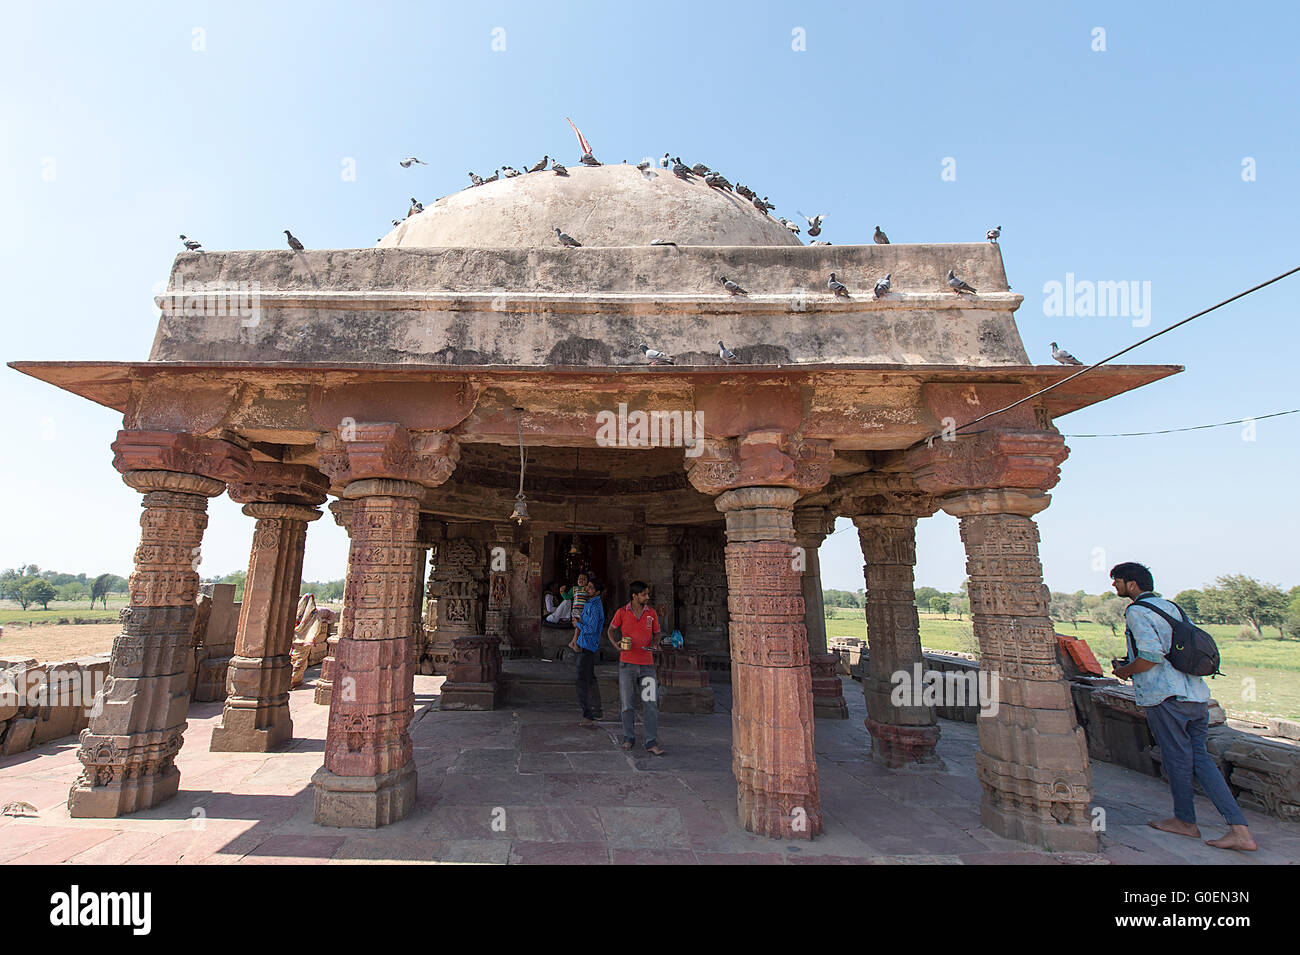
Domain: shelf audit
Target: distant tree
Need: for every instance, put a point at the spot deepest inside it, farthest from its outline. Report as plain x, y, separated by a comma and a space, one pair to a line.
1109, 613
1065, 606
1258, 604
39, 591
99, 590
960, 606
1291, 623
1190, 601
940, 604
10, 584
72, 590
923, 595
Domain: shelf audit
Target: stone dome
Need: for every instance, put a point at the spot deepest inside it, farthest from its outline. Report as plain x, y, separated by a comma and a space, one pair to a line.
600, 206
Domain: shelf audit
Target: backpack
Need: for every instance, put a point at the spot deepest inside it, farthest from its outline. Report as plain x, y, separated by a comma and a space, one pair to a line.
1191, 649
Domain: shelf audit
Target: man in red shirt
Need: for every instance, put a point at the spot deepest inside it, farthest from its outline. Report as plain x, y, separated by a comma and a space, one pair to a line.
638, 626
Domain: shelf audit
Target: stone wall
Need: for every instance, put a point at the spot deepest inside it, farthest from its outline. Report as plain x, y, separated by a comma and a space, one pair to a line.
41, 702
215, 627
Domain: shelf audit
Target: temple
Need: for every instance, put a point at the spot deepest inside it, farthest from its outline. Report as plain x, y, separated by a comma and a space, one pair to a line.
421, 383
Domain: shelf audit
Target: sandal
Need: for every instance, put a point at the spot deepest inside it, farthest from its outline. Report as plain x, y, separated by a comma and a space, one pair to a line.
656, 750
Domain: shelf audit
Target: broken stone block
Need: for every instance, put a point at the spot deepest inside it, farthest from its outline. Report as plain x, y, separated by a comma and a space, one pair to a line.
18, 737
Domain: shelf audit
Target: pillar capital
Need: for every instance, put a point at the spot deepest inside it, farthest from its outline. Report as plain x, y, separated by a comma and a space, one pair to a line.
999, 501
273, 482
812, 524
759, 513
760, 459
383, 487
1029, 460
175, 481
882, 493
264, 510
182, 453
389, 451
341, 510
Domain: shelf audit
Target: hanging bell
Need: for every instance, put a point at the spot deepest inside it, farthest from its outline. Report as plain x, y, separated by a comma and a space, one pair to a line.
520, 513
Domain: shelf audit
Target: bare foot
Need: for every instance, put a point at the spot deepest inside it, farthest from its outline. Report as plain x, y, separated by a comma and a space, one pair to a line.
1176, 826
1238, 837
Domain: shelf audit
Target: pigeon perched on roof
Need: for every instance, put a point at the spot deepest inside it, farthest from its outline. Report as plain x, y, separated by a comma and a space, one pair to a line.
792, 226
539, 166
665, 162
511, 172
191, 244
762, 205
397, 222
568, 240
993, 234
700, 169
663, 242
814, 224
882, 287
818, 242
293, 243
589, 160
492, 178
475, 180
726, 354
838, 287
410, 161
745, 191
957, 285
643, 165
880, 237
559, 170
731, 286
680, 169
416, 206
1063, 356
656, 356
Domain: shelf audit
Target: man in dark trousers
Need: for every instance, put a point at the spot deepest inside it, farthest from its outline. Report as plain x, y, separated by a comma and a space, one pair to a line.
586, 644
638, 625
1177, 710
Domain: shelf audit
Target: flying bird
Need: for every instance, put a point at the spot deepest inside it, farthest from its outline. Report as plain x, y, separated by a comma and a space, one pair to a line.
838, 287
568, 240
880, 237
191, 244
726, 354
957, 285
993, 234
540, 166
814, 224
1063, 356
293, 243
410, 161
559, 170
731, 286
656, 356
882, 287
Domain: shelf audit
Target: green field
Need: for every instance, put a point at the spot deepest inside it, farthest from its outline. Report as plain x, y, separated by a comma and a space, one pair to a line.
11, 612
1268, 669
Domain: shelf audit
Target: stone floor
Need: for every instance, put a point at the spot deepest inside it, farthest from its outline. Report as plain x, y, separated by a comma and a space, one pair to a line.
531, 785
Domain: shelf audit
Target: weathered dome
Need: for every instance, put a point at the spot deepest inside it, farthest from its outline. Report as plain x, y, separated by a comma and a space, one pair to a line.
600, 206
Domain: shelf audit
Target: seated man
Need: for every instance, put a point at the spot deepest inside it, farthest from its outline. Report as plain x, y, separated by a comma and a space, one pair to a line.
556, 612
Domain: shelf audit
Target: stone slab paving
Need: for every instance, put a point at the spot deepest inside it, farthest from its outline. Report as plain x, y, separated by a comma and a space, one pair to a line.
531, 785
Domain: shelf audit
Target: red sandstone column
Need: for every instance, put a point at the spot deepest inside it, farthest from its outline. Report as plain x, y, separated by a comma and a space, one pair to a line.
256, 716
772, 704
368, 779
500, 554
1033, 759
811, 525
129, 749
342, 511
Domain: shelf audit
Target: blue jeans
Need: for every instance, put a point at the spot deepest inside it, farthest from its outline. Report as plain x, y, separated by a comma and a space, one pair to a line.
1179, 727
630, 687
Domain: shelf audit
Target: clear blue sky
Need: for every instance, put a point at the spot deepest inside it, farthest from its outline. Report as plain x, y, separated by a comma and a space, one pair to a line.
1117, 165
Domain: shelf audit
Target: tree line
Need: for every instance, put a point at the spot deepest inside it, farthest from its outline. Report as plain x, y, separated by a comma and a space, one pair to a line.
28, 584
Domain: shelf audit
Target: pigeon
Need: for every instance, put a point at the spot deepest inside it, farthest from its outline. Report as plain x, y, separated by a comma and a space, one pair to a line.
663, 242
792, 226
838, 287
726, 354
566, 239
731, 286
293, 243
665, 162
475, 180
882, 287
643, 165
764, 206
880, 237
993, 234
397, 222
589, 160
511, 172
700, 169
745, 191
717, 180
492, 178
191, 244
1063, 356
681, 170
416, 206
541, 166
656, 356
818, 242
957, 285
410, 161
559, 170
814, 224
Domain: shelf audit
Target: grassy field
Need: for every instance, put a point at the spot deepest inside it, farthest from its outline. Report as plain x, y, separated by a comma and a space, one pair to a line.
12, 613
1261, 677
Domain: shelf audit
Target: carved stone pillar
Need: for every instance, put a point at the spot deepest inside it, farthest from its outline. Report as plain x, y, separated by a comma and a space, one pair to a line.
811, 525
1033, 759
281, 497
368, 778
129, 749
501, 553
658, 553
342, 511
457, 581
772, 706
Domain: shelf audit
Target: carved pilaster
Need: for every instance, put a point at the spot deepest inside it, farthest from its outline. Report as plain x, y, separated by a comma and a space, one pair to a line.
501, 554
811, 526
342, 512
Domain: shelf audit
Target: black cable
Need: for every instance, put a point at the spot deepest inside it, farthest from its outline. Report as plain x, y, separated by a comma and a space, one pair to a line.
1199, 427
1084, 371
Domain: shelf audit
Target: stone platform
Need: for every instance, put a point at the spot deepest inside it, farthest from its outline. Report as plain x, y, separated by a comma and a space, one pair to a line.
559, 792
548, 681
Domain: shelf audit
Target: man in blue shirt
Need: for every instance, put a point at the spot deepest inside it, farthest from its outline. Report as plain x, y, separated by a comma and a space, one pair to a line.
586, 643
1177, 712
